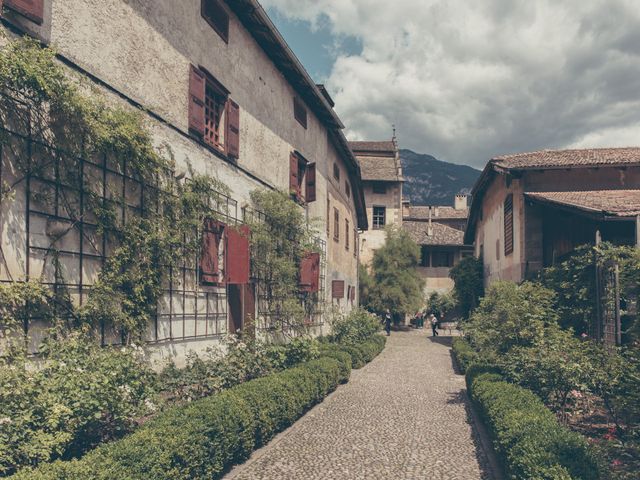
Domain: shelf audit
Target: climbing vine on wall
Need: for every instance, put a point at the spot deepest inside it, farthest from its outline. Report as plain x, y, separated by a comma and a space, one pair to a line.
43, 101
280, 238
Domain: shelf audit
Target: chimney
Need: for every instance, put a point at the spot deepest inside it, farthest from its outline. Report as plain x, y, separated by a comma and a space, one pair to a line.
461, 202
406, 208
436, 212
430, 226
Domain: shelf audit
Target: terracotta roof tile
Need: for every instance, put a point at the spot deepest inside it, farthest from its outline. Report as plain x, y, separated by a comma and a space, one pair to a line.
441, 234
592, 157
618, 203
444, 212
378, 168
384, 146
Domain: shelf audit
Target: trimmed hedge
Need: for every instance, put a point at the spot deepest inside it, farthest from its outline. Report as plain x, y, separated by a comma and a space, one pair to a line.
526, 434
360, 353
464, 353
203, 439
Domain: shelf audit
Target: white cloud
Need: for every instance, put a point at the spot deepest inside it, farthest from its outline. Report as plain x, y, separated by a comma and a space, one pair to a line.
465, 80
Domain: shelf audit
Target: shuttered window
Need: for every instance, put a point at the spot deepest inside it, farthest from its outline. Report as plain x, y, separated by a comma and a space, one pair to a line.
355, 242
347, 188
337, 289
297, 174
216, 16
32, 9
213, 116
353, 294
299, 112
197, 86
328, 217
336, 225
346, 234
233, 140
237, 255
508, 225
310, 272
310, 194
210, 255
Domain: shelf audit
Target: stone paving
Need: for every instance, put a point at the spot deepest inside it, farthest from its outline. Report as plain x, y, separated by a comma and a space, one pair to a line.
403, 416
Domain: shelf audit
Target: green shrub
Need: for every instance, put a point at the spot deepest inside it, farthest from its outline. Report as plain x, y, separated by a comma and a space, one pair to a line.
464, 354
237, 361
80, 396
203, 439
356, 327
527, 436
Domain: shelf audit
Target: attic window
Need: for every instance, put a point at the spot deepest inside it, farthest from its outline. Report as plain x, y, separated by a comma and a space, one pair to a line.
380, 188
300, 112
347, 189
216, 16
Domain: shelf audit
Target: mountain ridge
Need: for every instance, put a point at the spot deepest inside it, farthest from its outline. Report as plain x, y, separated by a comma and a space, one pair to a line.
429, 181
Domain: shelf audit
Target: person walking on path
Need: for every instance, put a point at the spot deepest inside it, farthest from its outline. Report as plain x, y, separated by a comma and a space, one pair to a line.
434, 325
387, 322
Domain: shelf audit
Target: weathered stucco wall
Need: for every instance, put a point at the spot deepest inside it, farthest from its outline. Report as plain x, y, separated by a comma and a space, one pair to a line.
489, 241
373, 239
143, 50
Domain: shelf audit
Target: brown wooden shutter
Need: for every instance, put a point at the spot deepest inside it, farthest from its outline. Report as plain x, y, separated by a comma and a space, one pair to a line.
353, 293
293, 175
508, 225
32, 9
233, 137
310, 194
237, 255
337, 289
197, 89
209, 258
310, 272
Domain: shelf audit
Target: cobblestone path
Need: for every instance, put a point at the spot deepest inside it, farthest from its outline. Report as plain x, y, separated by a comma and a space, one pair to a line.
403, 416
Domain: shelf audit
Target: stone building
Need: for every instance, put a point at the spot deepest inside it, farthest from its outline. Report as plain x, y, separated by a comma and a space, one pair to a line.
382, 184
439, 231
530, 209
217, 83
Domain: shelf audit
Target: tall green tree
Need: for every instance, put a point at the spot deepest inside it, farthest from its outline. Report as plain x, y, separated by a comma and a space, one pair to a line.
394, 281
469, 284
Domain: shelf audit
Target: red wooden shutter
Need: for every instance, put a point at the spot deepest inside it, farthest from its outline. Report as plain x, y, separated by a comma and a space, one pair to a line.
197, 88
508, 227
337, 289
32, 9
310, 194
237, 255
233, 138
293, 175
209, 259
310, 272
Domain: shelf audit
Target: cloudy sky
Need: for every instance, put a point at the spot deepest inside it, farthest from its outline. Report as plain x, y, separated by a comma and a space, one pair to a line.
465, 80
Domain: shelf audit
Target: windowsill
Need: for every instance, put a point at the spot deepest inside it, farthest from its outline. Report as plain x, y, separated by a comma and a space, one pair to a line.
219, 153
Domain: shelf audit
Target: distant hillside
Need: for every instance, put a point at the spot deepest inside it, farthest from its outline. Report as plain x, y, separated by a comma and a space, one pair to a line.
430, 181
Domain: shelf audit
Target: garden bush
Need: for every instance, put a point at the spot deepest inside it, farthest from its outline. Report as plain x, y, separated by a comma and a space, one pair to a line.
464, 354
203, 439
78, 396
528, 438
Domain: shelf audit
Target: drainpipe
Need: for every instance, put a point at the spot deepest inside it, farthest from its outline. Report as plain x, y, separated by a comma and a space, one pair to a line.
638, 231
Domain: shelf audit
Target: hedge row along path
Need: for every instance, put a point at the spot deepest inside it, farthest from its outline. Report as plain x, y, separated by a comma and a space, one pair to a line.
405, 416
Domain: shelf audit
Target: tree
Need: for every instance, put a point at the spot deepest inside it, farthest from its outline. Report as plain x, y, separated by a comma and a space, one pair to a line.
440, 303
469, 284
395, 282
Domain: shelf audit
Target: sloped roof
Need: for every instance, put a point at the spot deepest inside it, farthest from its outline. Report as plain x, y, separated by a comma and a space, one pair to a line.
590, 157
444, 213
378, 168
387, 146
613, 203
441, 234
